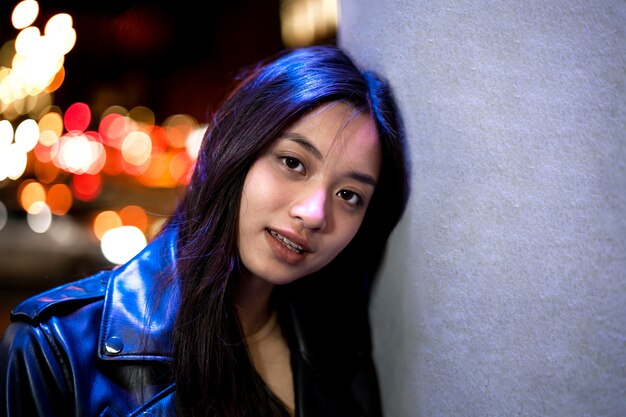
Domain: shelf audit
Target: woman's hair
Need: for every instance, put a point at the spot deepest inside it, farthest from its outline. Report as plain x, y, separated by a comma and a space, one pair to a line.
212, 369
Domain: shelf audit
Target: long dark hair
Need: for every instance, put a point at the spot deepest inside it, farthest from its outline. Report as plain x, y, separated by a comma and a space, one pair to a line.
212, 369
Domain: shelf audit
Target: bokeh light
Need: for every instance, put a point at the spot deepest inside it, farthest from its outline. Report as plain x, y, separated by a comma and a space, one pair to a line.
142, 115
36, 61
77, 117
50, 128
56, 82
24, 14
45, 172
113, 129
27, 41
178, 127
303, 22
106, 221
75, 153
194, 141
6, 133
12, 162
30, 192
59, 199
134, 215
39, 217
61, 33
136, 148
86, 187
180, 167
27, 134
158, 173
120, 244
45, 153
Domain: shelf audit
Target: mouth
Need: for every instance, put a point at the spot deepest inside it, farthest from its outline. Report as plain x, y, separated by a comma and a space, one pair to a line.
289, 244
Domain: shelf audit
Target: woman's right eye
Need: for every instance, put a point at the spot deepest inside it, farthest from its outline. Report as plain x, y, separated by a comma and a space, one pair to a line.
293, 164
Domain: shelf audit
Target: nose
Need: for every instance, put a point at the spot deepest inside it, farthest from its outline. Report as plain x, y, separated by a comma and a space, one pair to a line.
311, 209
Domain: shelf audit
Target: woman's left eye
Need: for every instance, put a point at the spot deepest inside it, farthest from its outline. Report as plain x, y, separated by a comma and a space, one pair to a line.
292, 163
350, 197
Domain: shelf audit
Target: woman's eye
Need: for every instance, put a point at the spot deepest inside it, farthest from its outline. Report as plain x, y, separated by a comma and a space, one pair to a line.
293, 163
350, 197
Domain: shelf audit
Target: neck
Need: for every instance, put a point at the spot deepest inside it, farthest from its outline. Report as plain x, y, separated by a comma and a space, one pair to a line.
252, 302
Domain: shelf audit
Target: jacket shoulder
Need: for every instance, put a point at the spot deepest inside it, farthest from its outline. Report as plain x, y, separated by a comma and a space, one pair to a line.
72, 294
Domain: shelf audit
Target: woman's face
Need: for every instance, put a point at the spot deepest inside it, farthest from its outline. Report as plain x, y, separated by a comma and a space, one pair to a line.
305, 197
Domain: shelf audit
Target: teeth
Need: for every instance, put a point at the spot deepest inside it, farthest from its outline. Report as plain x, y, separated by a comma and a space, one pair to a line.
290, 244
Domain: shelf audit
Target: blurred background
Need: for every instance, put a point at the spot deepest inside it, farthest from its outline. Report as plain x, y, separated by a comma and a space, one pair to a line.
102, 106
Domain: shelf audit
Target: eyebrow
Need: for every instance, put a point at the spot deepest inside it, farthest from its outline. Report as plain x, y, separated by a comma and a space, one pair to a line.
312, 149
305, 143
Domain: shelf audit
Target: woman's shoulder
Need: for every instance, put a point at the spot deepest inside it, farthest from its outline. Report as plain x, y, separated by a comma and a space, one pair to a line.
62, 298
88, 330
122, 305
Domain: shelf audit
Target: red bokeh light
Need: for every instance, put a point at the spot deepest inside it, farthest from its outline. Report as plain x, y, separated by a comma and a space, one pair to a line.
86, 187
77, 117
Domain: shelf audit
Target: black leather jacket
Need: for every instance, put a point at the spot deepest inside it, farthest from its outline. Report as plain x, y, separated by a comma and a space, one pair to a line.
87, 349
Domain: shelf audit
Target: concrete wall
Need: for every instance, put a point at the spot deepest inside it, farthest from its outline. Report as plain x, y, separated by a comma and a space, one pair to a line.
504, 291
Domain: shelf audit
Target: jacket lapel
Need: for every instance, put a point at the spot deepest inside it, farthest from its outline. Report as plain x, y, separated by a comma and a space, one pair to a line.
139, 310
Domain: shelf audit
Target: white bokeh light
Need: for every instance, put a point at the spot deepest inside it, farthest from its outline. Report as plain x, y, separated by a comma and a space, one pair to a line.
120, 244
6, 133
194, 141
27, 134
24, 13
13, 162
39, 217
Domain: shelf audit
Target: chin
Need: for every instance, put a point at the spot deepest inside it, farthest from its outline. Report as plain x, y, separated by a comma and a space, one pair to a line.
282, 279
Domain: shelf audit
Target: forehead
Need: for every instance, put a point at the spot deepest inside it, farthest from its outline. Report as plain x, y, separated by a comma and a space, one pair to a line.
338, 129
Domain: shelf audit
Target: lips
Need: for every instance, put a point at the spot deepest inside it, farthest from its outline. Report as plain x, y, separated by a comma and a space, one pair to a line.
288, 243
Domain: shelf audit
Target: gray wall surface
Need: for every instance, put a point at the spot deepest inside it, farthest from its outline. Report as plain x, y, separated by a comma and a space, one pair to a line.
504, 288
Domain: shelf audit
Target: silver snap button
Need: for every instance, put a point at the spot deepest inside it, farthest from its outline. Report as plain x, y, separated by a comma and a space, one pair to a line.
114, 345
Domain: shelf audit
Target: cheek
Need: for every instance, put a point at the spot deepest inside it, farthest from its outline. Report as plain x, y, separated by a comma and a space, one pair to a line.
260, 190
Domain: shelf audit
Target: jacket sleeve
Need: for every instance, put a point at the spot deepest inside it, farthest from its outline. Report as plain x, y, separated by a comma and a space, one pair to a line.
32, 380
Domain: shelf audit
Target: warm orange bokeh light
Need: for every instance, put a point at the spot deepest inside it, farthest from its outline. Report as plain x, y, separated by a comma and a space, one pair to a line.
178, 128
52, 121
134, 216
59, 199
180, 166
45, 172
113, 165
105, 221
30, 192
158, 173
56, 81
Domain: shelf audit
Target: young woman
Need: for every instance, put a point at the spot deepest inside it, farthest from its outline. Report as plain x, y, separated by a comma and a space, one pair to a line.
252, 301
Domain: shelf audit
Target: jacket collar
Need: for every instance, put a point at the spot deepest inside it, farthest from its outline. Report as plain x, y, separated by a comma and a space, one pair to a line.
139, 310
